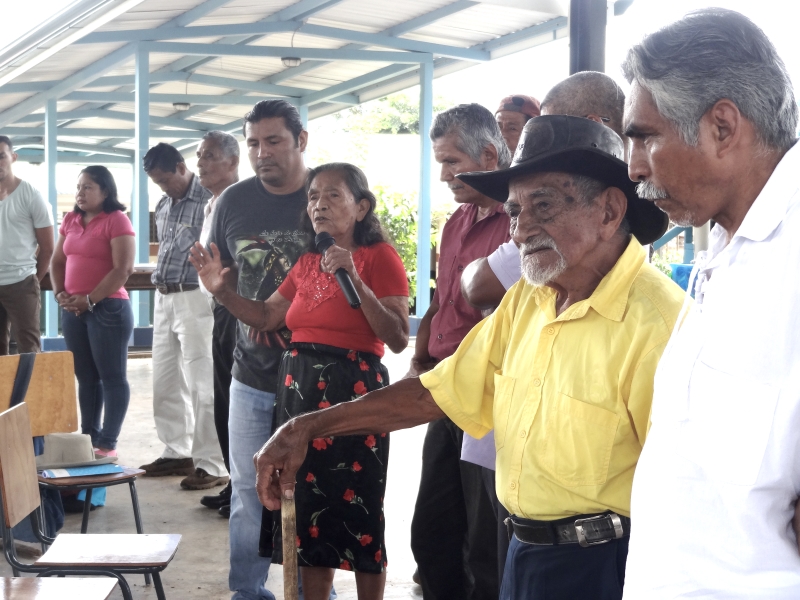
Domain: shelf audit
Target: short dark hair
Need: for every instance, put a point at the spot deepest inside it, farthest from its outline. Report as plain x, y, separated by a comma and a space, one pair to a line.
103, 177
4, 139
164, 157
368, 231
271, 109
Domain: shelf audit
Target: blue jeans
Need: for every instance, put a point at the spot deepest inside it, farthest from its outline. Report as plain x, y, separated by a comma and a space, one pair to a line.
98, 341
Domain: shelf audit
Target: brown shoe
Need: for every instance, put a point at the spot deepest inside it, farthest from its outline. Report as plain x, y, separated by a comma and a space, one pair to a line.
162, 467
200, 480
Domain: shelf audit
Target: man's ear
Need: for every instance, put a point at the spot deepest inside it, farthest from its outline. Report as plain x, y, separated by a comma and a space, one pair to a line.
302, 140
725, 124
614, 204
180, 169
489, 156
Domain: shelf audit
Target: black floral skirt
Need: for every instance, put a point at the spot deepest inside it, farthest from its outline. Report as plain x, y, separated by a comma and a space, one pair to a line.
340, 486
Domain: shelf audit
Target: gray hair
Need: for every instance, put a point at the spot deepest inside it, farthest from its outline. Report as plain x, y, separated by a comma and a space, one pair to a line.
709, 55
475, 128
226, 142
587, 93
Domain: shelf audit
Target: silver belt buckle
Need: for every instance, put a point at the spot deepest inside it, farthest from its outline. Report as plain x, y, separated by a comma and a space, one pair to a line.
584, 543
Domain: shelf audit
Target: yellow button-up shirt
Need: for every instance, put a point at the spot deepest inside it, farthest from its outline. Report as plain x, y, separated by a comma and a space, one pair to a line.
568, 396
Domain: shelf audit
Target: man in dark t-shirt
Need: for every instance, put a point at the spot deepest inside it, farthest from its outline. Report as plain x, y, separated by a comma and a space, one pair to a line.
256, 232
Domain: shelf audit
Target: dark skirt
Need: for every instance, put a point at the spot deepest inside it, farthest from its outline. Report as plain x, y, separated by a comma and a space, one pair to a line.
340, 486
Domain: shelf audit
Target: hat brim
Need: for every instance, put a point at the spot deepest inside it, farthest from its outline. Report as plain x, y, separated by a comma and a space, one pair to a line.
41, 465
647, 222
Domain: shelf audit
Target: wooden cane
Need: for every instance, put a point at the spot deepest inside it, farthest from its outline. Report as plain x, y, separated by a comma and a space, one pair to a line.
289, 529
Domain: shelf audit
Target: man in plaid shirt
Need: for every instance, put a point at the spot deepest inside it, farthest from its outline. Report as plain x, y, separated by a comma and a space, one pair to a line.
183, 401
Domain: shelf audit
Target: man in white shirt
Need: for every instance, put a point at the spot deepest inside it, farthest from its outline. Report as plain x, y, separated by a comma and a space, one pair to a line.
712, 120
26, 245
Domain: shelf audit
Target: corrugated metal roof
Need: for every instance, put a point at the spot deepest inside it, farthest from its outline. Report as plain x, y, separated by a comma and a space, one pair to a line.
492, 26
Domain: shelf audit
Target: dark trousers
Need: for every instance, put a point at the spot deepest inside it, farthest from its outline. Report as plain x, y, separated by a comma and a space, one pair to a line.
565, 572
98, 341
501, 514
19, 310
454, 529
223, 343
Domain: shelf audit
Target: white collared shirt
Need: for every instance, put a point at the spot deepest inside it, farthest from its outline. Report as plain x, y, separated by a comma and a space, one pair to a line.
714, 490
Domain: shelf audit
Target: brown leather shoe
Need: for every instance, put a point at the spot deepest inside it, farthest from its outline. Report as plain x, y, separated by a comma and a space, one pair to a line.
161, 467
200, 480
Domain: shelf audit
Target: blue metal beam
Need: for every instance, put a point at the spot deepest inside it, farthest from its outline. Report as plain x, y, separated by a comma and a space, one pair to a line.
355, 83
278, 52
97, 113
94, 149
263, 28
201, 99
51, 160
400, 29
67, 85
140, 201
88, 132
424, 199
72, 158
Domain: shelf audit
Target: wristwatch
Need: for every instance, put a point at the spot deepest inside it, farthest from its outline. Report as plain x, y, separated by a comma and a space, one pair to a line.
91, 304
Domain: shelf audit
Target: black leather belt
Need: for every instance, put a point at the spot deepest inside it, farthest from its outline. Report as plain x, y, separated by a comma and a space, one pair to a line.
586, 530
174, 288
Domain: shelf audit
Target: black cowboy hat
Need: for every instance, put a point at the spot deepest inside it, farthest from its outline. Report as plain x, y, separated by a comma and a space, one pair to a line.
558, 143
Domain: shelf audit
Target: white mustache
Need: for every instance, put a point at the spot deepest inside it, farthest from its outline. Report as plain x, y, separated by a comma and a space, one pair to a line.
538, 243
648, 191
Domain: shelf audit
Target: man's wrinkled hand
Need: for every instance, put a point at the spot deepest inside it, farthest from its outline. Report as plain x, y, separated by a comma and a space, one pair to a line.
277, 464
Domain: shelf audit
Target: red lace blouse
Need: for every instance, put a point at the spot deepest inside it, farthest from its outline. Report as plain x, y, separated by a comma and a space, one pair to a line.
320, 313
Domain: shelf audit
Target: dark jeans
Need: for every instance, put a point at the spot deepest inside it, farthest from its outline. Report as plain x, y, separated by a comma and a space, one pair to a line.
565, 572
454, 529
99, 344
223, 343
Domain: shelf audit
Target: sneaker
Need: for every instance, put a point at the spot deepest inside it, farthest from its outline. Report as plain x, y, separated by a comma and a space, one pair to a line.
104, 453
200, 480
218, 500
168, 466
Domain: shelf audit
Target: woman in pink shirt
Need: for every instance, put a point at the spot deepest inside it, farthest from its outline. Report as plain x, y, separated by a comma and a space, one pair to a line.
91, 263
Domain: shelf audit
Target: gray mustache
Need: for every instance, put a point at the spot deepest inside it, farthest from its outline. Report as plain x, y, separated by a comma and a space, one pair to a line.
537, 244
648, 191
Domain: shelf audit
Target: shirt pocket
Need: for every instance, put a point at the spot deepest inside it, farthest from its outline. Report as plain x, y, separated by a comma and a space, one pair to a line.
578, 441
503, 397
186, 236
729, 424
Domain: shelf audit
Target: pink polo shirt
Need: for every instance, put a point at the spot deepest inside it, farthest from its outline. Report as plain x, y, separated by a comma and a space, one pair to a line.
88, 250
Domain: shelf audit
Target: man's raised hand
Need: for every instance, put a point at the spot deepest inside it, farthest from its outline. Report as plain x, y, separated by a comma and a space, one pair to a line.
209, 267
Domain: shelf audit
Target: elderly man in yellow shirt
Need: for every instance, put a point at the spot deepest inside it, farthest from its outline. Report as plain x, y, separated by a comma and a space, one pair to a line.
562, 370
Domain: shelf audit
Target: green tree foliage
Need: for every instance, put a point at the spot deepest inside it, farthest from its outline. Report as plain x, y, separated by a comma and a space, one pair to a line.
396, 113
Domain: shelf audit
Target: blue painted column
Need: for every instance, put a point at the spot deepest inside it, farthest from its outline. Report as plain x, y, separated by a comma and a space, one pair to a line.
304, 115
424, 202
50, 161
140, 208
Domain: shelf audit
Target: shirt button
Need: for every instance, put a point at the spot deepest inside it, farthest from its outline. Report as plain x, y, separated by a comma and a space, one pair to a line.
551, 330
522, 434
438, 337
513, 485
460, 268
449, 301
537, 382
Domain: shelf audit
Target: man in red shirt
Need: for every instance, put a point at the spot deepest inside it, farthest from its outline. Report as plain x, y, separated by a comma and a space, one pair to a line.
454, 509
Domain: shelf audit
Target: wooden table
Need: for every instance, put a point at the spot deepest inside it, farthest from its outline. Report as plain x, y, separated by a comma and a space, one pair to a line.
56, 588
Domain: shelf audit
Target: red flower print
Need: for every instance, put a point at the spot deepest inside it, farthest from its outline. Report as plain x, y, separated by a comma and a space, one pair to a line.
357, 467
365, 539
363, 366
310, 477
324, 404
378, 556
329, 441
359, 388
370, 441
297, 541
346, 565
383, 435
351, 355
319, 444
314, 531
379, 378
349, 495
321, 385
288, 381
294, 352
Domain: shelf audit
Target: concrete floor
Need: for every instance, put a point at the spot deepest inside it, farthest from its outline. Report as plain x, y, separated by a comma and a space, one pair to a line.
200, 568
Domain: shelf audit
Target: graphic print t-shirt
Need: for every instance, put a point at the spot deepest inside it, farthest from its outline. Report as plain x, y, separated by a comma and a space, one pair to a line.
261, 232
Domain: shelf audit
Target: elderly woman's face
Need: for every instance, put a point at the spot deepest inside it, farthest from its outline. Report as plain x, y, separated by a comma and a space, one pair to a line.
332, 207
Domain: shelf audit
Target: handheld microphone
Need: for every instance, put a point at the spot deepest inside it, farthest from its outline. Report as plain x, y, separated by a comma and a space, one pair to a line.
323, 241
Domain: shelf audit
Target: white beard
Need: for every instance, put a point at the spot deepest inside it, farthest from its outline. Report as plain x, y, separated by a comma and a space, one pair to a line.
535, 273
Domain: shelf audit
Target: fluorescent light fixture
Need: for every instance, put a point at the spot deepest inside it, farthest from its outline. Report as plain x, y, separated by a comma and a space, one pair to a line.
83, 29
290, 61
181, 106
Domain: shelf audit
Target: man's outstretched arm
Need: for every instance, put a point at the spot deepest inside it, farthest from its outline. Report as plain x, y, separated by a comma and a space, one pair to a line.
404, 404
